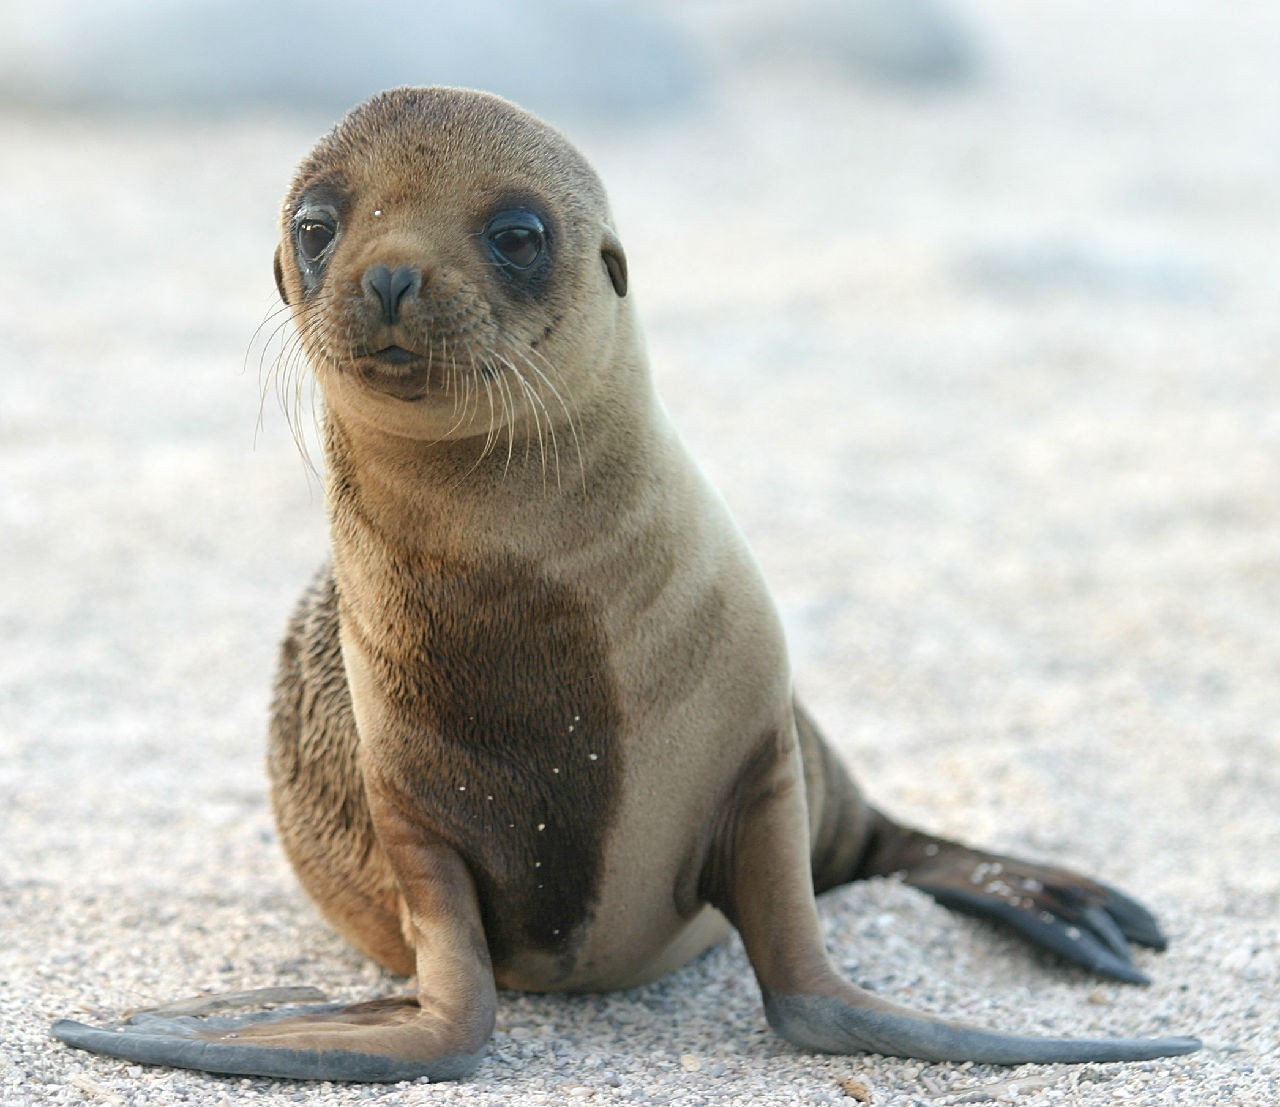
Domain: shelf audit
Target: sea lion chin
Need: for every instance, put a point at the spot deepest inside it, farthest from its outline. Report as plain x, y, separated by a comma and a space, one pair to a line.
397, 372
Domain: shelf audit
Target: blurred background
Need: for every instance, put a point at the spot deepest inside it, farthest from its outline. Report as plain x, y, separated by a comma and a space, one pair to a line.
969, 307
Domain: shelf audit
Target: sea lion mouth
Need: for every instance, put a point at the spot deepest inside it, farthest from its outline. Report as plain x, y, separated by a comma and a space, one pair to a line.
395, 371
396, 355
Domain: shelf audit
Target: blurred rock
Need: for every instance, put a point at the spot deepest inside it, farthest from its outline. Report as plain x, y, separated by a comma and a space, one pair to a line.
1062, 266
904, 43
556, 57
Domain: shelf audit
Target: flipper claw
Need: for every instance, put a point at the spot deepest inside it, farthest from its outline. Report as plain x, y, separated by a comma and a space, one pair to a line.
1082, 920
1136, 923
1085, 940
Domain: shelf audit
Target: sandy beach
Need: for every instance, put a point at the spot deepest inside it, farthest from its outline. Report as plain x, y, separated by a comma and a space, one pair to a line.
988, 376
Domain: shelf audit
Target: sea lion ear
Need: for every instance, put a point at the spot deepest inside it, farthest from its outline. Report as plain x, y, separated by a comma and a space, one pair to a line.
615, 261
279, 270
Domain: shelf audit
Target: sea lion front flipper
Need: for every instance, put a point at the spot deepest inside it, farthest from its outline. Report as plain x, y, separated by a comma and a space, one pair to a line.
440, 1033
379, 1041
759, 876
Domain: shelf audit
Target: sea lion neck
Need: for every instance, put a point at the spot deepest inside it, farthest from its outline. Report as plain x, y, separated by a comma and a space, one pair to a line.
408, 498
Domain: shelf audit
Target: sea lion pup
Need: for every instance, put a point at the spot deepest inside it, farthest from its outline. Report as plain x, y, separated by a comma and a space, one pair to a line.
534, 727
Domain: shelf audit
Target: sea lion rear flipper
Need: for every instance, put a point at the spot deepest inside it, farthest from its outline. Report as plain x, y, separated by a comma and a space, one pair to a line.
759, 877
439, 1034
1082, 920
1087, 933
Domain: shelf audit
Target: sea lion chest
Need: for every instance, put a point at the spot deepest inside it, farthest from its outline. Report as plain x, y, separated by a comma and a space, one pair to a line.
497, 721
563, 688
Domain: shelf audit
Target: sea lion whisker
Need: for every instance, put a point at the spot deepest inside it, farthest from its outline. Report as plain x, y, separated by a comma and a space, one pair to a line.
474, 387
276, 317
448, 367
285, 377
471, 390
537, 409
491, 430
537, 361
460, 417
536, 404
279, 319
284, 326
508, 410
569, 418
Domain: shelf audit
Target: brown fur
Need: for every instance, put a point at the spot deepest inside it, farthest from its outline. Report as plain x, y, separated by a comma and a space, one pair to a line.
486, 601
535, 726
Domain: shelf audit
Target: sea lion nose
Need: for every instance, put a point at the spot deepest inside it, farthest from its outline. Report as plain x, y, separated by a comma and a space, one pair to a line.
391, 286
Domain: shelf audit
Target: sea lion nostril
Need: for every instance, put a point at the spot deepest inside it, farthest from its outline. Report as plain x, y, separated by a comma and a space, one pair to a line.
391, 286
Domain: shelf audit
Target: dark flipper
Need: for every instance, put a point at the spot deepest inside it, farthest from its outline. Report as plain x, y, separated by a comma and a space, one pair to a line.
1089, 937
1079, 919
1082, 920
832, 1025
440, 1033
760, 877
1135, 922
387, 1040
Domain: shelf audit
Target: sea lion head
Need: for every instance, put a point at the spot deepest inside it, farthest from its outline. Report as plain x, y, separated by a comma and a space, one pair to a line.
451, 267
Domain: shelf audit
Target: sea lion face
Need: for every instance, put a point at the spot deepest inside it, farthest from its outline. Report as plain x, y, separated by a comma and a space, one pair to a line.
451, 267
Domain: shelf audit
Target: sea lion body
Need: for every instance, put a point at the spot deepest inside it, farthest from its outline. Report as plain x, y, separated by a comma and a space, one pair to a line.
586, 603
534, 726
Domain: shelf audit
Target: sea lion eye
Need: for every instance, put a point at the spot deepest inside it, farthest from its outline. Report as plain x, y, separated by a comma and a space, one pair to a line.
314, 236
516, 238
